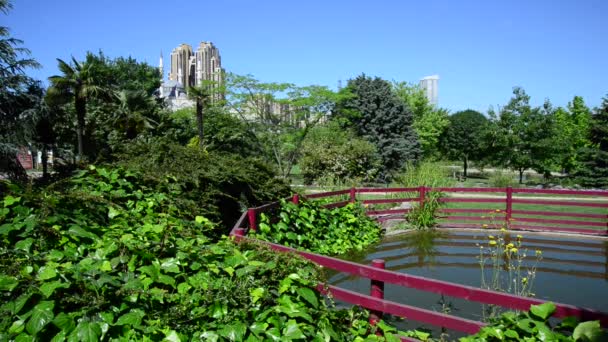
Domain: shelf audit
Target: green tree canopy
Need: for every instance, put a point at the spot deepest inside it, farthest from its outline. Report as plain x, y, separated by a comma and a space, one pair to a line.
521, 136
429, 121
593, 170
377, 114
463, 138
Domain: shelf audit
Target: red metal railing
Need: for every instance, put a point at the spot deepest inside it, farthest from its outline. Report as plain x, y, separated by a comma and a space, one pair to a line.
378, 275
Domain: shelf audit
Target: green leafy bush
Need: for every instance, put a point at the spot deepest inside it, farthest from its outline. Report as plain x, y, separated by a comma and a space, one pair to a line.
429, 174
331, 153
102, 256
501, 180
217, 185
309, 226
535, 326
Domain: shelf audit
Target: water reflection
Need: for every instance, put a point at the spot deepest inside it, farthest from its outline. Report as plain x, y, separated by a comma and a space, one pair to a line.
568, 263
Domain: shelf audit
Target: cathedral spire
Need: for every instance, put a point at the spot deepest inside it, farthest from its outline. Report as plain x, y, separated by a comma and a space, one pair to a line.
160, 66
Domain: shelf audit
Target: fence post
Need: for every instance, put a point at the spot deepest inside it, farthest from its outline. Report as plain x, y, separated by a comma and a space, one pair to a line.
376, 291
508, 211
295, 199
422, 191
240, 232
252, 219
353, 195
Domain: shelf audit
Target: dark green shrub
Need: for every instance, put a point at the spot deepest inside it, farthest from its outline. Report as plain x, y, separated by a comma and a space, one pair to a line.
218, 186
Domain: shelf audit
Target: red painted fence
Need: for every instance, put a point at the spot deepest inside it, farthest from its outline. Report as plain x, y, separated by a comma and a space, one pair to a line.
546, 220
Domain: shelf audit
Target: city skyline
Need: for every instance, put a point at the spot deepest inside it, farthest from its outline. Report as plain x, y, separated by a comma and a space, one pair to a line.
481, 49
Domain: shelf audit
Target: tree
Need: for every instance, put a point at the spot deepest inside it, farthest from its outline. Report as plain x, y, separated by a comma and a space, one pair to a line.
280, 115
332, 153
16, 96
594, 159
379, 116
522, 137
463, 138
78, 84
201, 96
429, 121
573, 133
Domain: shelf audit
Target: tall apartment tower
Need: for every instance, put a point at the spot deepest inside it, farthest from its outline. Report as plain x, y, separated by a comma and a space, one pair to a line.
180, 65
190, 68
430, 86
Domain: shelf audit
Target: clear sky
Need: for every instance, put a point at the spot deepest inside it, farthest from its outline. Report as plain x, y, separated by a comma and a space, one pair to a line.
555, 49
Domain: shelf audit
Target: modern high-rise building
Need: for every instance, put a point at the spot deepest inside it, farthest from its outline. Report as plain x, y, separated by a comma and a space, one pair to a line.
191, 69
430, 86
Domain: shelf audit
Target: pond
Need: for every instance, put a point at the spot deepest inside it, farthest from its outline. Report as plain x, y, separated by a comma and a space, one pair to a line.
573, 270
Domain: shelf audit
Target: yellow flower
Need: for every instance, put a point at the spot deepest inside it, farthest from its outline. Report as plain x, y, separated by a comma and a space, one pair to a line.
513, 250
492, 243
519, 236
524, 280
539, 252
510, 245
490, 237
497, 210
484, 225
503, 229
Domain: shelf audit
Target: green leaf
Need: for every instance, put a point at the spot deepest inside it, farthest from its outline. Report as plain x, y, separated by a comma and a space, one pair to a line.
8, 283
292, 330
17, 327
309, 295
257, 293
543, 311
112, 213
234, 332
24, 245
512, 334
88, 331
80, 232
591, 331
209, 336
132, 318
10, 200
64, 322
258, 327
172, 337
42, 314
46, 272
48, 288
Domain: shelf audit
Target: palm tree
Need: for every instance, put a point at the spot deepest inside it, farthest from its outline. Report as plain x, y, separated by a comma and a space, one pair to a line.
134, 112
201, 95
77, 83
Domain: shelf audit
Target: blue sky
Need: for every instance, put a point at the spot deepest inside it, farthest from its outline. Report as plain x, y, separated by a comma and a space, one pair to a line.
480, 49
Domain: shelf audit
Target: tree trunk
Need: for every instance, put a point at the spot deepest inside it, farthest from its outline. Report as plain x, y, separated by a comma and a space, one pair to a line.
44, 161
466, 166
521, 176
81, 110
199, 122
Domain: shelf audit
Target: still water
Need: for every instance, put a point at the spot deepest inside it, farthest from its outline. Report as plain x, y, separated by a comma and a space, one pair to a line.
572, 270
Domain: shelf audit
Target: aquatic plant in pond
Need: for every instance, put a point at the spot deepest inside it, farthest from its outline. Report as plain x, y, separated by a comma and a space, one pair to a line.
503, 258
424, 215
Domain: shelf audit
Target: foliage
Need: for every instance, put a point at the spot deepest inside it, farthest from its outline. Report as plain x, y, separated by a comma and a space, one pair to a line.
219, 185
329, 151
280, 115
17, 94
500, 179
372, 108
535, 325
504, 257
101, 256
463, 138
522, 136
426, 173
429, 122
573, 134
311, 227
593, 170
424, 215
